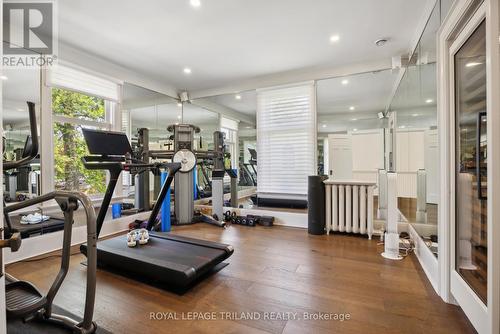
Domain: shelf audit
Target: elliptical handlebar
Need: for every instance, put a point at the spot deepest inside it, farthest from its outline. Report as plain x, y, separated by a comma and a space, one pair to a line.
8, 165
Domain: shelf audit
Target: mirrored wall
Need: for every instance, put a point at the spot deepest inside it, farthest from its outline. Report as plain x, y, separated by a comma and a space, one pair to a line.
237, 120
417, 153
19, 87
351, 124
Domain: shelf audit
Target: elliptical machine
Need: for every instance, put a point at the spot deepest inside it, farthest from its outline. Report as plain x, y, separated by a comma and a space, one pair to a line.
23, 299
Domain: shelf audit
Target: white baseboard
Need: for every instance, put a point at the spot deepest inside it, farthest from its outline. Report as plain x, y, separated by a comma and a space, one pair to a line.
427, 260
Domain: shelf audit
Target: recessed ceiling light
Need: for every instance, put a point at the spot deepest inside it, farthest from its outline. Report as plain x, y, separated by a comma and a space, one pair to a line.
187, 70
402, 126
3, 77
345, 82
354, 119
484, 119
237, 97
324, 125
354, 129
248, 127
380, 42
414, 115
179, 104
334, 38
177, 123
20, 109
429, 101
195, 3
472, 64
179, 117
351, 108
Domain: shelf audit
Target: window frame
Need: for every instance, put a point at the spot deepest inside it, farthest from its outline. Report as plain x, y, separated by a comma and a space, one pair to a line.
112, 122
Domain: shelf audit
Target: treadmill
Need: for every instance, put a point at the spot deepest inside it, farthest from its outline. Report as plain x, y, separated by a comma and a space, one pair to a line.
169, 260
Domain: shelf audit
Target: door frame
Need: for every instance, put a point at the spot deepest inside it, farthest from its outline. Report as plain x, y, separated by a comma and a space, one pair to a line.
464, 16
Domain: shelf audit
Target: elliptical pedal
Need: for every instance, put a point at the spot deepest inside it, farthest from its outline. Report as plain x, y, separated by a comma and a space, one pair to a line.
22, 299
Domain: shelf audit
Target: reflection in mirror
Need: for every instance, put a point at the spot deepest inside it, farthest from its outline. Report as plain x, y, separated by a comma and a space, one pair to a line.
207, 121
248, 155
351, 125
241, 140
144, 108
417, 157
19, 87
351, 139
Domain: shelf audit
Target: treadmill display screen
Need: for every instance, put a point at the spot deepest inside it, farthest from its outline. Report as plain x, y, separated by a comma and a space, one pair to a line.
106, 142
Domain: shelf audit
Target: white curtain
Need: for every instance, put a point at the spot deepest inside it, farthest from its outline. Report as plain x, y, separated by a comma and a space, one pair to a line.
286, 140
84, 82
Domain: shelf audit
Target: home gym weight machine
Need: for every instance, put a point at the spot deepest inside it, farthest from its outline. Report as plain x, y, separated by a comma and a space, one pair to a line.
184, 153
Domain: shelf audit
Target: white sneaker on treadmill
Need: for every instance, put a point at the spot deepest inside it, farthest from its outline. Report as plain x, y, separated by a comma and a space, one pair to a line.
143, 236
132, 238
33, 218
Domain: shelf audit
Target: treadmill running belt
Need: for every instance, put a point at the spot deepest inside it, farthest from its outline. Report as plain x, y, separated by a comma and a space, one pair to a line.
172, 260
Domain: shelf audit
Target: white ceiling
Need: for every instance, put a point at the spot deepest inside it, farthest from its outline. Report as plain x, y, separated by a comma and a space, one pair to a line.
227, 41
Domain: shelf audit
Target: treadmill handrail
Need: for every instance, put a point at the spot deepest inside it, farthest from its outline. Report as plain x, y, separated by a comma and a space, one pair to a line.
8, 165
106, 163
93, 163
115, 168
175, 167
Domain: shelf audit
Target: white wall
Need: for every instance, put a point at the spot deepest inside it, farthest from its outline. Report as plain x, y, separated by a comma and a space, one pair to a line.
410, 147
432, 165
358, 155
367, 154
326, 157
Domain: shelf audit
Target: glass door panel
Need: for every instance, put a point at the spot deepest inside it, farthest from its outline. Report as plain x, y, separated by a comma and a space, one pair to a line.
471, 162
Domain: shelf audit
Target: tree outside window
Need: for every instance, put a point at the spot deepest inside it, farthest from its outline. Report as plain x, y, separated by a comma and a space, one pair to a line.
69, 144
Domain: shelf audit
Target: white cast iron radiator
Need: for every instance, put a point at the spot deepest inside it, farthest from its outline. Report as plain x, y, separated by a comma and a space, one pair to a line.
349, 206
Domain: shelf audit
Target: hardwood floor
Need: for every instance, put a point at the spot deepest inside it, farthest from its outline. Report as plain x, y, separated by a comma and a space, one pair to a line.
274, 269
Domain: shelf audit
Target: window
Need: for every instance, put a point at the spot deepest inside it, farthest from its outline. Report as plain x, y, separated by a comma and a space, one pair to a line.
79, 100
286, 140
73, 111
